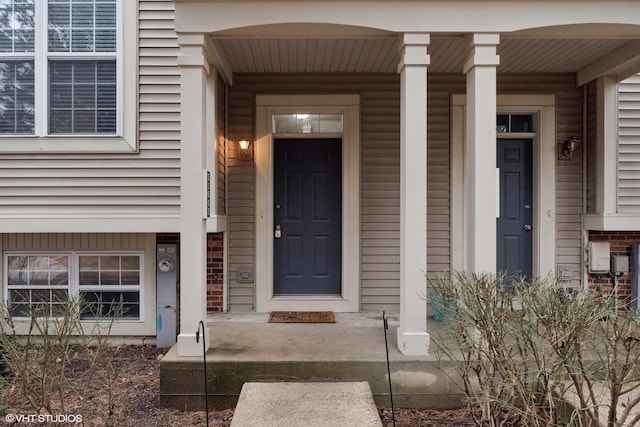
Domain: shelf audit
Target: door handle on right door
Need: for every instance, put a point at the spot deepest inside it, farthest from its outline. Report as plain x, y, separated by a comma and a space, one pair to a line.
527, 227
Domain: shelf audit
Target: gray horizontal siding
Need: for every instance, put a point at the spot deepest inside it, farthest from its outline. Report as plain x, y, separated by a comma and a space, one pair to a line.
629, 145
591, 146
221, 147
143, 183
380, 179
380, 173
73, 241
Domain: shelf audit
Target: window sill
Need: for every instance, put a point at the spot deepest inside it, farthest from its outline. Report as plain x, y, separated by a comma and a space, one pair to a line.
67, 144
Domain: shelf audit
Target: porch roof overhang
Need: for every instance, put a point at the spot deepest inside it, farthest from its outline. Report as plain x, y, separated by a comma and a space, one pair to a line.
587, 38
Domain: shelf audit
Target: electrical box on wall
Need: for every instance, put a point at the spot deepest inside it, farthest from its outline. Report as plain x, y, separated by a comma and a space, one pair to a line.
245, 274
619, 264
599, 257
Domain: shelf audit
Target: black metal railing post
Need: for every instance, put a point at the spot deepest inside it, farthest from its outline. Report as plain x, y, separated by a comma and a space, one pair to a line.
386, 346
204, 364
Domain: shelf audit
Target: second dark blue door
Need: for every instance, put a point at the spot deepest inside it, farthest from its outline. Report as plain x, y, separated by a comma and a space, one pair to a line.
514, 224
307, 216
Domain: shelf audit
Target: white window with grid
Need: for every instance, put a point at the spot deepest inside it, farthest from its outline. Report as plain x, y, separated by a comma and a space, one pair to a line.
109, 284
61, 68
36, 280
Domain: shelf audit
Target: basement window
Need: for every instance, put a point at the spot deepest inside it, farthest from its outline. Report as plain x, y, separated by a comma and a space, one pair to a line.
110, 284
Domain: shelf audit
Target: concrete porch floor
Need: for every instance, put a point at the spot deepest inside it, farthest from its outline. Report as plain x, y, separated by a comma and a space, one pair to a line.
245, 348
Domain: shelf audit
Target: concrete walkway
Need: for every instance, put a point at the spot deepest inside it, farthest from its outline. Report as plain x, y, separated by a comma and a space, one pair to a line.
327, 404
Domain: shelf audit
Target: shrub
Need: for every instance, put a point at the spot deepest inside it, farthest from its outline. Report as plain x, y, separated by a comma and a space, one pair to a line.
37, 359
526, 346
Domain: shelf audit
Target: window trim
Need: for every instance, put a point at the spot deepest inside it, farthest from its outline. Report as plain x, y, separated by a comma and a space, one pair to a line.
35, 287
111, 288
125, 139
73, 287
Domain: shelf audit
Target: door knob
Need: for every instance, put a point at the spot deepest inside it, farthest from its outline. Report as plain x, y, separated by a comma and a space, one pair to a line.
278, 233
527, 227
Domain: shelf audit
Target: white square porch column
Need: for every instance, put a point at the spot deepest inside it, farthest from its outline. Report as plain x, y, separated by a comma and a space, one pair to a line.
480, 181
194, 70
606, 145
413, 338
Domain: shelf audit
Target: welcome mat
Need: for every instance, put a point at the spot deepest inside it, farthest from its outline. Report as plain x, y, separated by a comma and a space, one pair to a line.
302, 317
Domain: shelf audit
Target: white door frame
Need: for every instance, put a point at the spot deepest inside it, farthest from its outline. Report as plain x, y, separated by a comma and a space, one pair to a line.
543, 109
349, 107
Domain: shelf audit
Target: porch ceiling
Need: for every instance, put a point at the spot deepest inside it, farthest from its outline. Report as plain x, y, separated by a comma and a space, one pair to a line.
379, 54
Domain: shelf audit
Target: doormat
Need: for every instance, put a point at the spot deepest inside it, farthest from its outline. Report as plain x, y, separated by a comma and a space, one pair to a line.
302, 317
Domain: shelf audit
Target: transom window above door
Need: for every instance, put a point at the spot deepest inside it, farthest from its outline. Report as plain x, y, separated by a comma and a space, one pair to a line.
514, 123
307, 123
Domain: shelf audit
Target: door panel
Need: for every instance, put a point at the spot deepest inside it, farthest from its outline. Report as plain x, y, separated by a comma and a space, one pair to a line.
308, 210
514, 225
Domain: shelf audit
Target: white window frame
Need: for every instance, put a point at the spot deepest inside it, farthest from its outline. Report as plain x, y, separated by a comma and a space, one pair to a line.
74, 287
124, 140
41, 254
111, 288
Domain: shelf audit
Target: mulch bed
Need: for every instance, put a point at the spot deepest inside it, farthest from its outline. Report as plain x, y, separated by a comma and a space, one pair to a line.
135, 401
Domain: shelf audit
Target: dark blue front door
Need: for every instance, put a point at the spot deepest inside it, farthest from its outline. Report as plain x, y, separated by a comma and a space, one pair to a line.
307, 216
514, 224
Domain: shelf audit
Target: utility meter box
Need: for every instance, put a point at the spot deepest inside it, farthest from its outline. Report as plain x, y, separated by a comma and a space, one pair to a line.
619, 264
167, 274
599, 257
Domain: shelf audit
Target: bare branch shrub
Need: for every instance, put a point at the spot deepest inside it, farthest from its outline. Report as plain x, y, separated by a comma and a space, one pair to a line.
38, 357
526, 347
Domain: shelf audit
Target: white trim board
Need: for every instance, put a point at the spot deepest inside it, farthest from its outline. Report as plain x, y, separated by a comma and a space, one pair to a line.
543, 109
349, 107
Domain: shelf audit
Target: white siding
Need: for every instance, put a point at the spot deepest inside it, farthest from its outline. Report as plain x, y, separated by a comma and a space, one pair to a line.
629, 145
143, 183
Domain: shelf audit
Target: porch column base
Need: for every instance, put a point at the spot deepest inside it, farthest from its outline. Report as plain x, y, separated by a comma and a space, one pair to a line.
413, 343
187, 345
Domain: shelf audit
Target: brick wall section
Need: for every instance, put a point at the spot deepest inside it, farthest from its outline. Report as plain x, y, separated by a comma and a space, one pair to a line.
620, 243
215, 250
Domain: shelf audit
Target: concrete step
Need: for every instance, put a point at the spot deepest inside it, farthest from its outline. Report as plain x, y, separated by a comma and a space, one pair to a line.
416, 384
245, 349
329, 404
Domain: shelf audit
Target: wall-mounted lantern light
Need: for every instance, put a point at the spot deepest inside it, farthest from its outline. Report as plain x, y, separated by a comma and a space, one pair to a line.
566, 148
245, 150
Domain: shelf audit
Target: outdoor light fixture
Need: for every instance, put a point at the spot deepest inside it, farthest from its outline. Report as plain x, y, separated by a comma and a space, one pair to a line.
566, 149
245, 152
